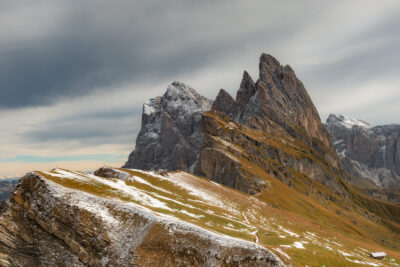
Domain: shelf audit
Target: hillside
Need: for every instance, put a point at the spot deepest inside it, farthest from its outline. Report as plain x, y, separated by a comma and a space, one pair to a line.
167, 219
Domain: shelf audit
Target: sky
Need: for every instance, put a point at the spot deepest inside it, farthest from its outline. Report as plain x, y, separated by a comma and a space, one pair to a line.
74, 74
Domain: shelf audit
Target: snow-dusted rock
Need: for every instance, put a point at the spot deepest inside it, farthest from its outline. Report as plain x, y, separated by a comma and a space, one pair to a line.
170, 137
370, 152
346, 121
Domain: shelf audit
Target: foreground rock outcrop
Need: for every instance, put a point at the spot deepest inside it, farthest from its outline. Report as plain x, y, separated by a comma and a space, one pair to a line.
171, 136
66, 218
368, 152
128, 217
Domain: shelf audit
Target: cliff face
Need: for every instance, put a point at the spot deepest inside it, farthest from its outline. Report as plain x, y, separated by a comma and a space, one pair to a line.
63, 218
171, 136
175, 136
277, 101
371, 153
272, 123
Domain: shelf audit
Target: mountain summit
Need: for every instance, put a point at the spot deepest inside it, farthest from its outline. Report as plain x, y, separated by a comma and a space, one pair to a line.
370, 153
178, 133
346, 121
278, 99
170, 137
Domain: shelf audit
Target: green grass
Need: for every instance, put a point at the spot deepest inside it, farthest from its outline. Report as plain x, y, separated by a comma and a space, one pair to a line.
296, 212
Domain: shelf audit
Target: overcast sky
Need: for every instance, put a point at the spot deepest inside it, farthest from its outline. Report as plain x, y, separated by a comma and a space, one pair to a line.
74, 74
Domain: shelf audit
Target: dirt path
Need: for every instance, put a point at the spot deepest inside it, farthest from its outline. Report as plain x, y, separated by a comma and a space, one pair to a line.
256, 239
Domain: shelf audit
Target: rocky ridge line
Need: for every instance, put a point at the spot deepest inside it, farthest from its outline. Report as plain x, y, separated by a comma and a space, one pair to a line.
272, 123
368, 152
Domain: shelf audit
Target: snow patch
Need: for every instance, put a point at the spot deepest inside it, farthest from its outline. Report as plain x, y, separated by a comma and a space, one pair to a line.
288, 232
298, 244
347, 122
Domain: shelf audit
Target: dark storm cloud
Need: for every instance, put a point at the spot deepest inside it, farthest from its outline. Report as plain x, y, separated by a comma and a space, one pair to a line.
93, 49
375, 55
100, 45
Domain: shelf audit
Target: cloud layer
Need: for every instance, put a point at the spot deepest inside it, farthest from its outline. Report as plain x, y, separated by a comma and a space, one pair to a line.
74, 73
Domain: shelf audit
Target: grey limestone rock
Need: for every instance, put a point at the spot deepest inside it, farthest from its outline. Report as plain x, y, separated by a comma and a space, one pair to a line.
368, 152
171, 136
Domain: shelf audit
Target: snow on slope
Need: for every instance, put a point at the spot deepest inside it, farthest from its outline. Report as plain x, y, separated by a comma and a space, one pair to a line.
196, 204
347, 122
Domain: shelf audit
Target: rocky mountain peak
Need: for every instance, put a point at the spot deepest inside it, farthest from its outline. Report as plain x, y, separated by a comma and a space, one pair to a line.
275, 106
182, 100
268, 62
177, 134
170, 137
278, 101
180, 92
346, 121
224, 103
370, 153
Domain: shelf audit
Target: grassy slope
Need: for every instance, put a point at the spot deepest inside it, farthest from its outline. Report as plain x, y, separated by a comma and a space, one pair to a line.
334, 229
350, 215
218, 208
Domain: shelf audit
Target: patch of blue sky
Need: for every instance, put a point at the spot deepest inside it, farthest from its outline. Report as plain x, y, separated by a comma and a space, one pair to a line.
111, 158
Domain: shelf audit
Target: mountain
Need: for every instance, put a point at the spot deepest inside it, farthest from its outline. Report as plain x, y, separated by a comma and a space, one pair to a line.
272, 128
126, 217
7, 186
269, 140
171, 136
368, 152
253, 180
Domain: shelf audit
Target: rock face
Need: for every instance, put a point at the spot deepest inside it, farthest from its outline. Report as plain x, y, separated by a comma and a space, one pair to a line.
368, 152
278, 100
108, 172
175, 136
273, 123
47, 222
171, 136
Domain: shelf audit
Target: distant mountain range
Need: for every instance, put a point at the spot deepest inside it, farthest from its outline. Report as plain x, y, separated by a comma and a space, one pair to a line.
251, 180
368, 152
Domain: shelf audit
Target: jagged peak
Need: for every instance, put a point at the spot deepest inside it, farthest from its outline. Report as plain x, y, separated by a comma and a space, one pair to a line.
177, 88
224, 103
268, 60
151, 105
182, 93
247, 87
223, 93
346, 121
176, 92
246, 79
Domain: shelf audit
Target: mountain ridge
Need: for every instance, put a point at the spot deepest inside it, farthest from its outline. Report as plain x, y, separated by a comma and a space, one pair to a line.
170, 137
368, 152
260, 168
